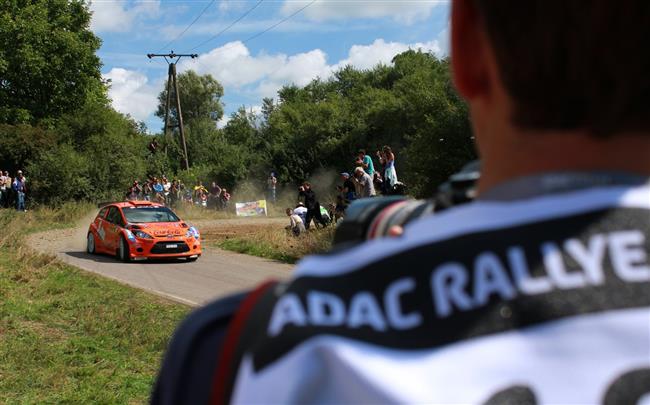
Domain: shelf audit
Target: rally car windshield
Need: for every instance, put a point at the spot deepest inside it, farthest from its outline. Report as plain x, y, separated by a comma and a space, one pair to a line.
149, 214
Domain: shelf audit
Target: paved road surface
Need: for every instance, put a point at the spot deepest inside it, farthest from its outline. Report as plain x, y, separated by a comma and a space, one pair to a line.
216, 273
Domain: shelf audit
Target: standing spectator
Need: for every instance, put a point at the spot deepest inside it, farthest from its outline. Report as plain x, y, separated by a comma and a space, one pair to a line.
167, 186
271, 183
225, 198
184, 193
8, 191
174, 193
339, 209
158, 190
3, 189
366, 186
137, 189
296, 225
312, 204
364, 161
132, 193
348, 190
380, 173
199, 192
20, 188
215, 195
147, 190
387, 159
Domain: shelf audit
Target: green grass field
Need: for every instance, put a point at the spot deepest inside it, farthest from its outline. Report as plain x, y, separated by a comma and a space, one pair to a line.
67, 336
273, 243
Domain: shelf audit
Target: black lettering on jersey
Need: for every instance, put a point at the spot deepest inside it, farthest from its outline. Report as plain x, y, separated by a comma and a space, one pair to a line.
469, 286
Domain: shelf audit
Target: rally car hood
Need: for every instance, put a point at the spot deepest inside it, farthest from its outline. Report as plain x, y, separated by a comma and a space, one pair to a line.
162, 228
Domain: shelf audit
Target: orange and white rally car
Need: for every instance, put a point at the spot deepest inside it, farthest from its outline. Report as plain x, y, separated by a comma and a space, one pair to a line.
140, 230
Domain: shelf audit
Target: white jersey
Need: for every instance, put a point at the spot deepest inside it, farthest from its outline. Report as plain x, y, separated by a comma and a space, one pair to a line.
538, 300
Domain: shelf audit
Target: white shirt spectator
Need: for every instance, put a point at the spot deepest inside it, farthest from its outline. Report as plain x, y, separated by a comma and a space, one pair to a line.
301, 211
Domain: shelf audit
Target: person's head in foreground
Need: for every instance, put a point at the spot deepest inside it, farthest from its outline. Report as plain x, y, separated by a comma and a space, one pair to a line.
537, 292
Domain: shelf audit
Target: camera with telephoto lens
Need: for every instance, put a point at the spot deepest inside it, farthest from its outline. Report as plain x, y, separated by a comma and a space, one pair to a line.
371, 218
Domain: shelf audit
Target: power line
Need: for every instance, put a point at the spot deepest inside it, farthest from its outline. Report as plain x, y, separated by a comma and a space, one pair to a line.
252, 37
259, 34
189, 26
250, 10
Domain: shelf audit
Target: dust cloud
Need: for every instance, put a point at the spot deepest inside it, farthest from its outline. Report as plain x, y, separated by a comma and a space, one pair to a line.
78, 239
323, 182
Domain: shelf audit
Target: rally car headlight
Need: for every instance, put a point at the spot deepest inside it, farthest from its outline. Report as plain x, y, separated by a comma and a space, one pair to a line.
192, 232
142, 235
130, 236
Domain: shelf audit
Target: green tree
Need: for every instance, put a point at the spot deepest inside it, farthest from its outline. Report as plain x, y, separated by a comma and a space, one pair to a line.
200, 98
22, 143
48, 64
409, 105
61, 174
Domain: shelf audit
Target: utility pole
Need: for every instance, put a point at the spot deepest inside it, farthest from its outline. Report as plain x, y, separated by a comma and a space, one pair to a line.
172, 59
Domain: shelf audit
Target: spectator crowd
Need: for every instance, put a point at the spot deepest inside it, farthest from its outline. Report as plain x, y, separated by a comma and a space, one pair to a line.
13, 191
174, 192
365, 181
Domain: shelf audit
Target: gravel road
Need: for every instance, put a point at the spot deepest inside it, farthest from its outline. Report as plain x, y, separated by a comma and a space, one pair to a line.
216, 273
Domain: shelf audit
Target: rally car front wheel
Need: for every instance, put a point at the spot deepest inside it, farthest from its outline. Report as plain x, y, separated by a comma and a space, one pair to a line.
90, 243
123, 252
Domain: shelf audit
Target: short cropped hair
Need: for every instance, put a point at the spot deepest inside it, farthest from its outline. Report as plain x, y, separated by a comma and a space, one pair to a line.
573, 64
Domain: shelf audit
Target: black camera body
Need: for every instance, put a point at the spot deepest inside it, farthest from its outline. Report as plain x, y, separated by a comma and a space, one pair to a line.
371, 218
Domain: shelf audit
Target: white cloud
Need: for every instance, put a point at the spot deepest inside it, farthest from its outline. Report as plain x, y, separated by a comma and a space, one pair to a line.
223, 121
131, 93
403, 11
258, 76
298, 69
367, 56
120, 16
234, 66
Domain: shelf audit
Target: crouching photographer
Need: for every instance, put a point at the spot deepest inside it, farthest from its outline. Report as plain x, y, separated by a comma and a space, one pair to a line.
535, 292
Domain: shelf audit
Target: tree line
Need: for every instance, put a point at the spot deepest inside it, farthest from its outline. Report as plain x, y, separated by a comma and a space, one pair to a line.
410, 105
57, 124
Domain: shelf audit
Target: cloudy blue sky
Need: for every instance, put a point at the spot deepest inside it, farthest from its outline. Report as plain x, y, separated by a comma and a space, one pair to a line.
323, 37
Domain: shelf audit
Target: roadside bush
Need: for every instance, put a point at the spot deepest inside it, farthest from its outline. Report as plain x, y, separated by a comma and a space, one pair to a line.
22, 143
59, 175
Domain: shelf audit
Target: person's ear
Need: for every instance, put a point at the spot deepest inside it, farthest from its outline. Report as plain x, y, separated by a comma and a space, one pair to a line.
468, 50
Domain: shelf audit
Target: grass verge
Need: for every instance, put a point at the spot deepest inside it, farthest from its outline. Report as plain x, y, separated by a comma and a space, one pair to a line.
67, 336
273, 243
194, 212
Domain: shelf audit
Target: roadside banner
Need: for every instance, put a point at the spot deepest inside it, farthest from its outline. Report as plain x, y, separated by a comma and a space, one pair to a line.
251, 209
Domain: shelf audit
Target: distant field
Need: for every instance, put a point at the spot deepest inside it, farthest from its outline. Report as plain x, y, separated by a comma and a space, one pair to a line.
67, 336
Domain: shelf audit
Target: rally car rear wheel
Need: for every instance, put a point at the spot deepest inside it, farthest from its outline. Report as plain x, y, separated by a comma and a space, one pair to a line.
90, 243
123, 251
